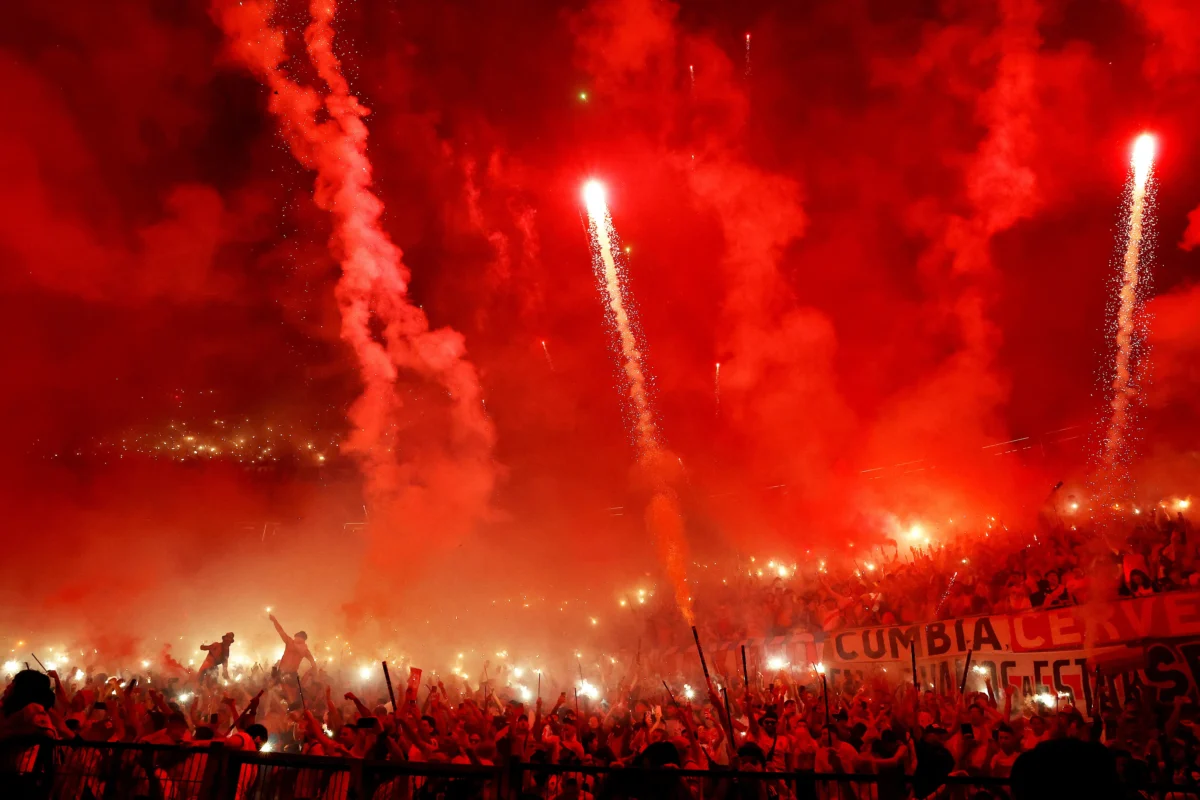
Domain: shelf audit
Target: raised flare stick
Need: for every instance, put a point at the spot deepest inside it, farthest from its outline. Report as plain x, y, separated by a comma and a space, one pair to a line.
700, 650
387, 677
966, 671
828, 719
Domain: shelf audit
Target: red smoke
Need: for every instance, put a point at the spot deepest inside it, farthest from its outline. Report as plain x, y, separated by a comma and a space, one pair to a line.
442, 486
1191, 234
895, 236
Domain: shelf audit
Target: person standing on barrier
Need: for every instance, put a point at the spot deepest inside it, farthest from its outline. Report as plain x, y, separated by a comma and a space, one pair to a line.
218, 656
295, 652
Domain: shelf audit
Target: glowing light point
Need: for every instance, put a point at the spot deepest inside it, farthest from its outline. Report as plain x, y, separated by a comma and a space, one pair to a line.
1143, 158
776, 663
820, 669
594, 197
583, 96
364, 672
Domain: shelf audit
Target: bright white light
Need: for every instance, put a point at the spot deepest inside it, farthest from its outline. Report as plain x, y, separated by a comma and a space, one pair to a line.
688, 692
518, 672
979, 670
11, 667
593, 197
1183, 504
1143, 158
79, 675
1045, 698
364, 673
783, 573
820, 669
183, 698
145, 664
526, 695
267, 747
776, 663
587, 690
915, 532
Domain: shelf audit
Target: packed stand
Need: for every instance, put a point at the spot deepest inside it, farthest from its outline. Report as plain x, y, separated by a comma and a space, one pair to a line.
881, 727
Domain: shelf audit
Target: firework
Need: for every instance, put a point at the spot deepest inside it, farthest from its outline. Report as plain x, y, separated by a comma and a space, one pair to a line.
692, 76
663, 515
1129, 338
717, 386
549, 361
747, 55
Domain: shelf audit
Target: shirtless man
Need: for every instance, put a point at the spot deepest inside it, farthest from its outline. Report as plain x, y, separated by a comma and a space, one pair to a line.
218, 656
295, 650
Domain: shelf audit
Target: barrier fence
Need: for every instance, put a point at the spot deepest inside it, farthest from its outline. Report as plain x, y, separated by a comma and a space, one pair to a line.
52, 770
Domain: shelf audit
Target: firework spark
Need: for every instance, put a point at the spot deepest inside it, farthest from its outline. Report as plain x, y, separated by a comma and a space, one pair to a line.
1115, 458
546, 350
663, 515
747, 55
717, 386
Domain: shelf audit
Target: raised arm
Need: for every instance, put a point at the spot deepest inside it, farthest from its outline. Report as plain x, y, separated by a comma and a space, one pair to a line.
335, 715
279, 628
363, 711
315, 730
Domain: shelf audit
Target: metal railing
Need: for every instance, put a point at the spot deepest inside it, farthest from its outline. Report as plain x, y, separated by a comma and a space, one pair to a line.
77, 770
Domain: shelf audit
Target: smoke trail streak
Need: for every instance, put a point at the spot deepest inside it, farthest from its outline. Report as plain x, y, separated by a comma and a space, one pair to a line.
717, 387
663, 515
1124, 384
447, 480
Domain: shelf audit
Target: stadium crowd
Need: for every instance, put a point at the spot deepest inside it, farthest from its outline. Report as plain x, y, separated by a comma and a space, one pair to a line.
988, 571
785, 722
